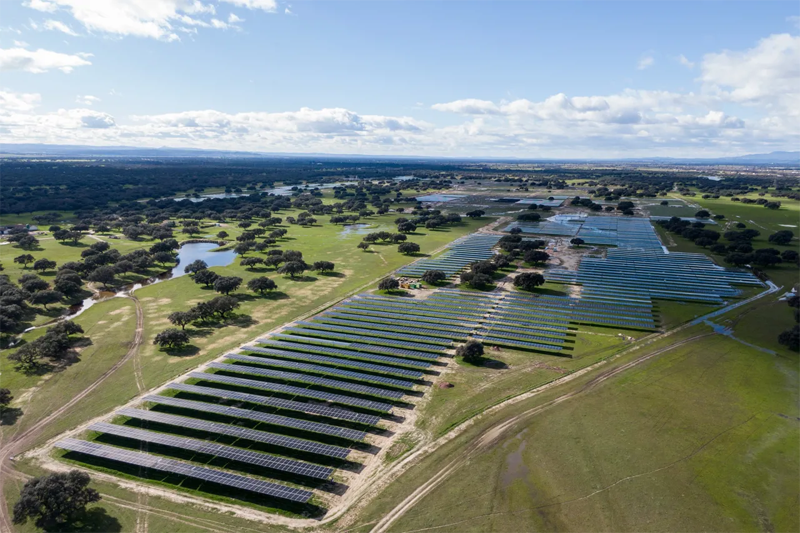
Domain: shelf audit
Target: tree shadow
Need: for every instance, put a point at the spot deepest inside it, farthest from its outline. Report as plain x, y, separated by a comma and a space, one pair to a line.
273, 295
332, 274
494, 364
184, 351
9, 416
302, 278
94, 519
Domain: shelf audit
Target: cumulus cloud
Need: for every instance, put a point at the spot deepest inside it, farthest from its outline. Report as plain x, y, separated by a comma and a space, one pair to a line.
39, 61
55, 25
87, 99
266, 5
469, 106
18, 101
155, 19
685, 62
645, 62
766, 75
708, 121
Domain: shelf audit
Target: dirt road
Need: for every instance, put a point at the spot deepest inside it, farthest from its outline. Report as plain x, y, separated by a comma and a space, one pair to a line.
25, 439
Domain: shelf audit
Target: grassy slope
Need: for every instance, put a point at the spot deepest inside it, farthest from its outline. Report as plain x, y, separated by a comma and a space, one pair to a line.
256, 316
701, 438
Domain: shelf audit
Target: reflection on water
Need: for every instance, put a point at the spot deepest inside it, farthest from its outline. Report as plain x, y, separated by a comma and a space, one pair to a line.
285, 190
355, 229
187, 254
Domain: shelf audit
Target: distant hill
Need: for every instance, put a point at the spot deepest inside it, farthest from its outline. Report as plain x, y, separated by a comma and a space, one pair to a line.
66, 150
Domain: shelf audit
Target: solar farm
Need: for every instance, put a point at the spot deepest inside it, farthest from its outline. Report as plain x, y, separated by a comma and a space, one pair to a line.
628, 274
624, 232
462, 252
290, 419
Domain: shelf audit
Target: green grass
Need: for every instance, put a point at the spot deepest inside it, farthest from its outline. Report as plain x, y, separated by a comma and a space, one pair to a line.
109, 327
702, 438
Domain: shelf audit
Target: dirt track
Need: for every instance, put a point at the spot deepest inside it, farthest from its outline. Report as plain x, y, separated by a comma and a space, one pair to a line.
24, 440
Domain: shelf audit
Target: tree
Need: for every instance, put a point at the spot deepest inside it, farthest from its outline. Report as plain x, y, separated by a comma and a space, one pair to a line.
363, 245
323, 266
477, 213
43, 265
791, 338
227, 284
24, 259
103, 274
433, 276
408, 248
55, 499
790, 256
27, 242
182, 318
577, 241
241, 248
397, 238
476, 279
529, 217
782, 237
206, 277
536, 257
5, 399
471, 352
702, 214
195, 266
46, 297
163, 257
528, 281
222, 305
407, 227
388, 284
738, 259
250, 262
261, 285
171, 338
515, 231
293, 268
33, 284
222, 234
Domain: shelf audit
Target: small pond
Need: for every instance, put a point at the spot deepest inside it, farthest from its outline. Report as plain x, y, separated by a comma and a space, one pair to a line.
201, 250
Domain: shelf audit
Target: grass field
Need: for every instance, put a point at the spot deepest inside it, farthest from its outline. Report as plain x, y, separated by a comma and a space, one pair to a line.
702, 438
256, 316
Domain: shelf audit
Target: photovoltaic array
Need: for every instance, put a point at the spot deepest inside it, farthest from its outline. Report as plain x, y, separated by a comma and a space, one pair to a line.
461, 252
627, 274
623, 232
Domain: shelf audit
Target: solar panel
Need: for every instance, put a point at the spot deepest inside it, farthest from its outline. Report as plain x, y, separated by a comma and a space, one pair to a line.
236, 431
344, 353
396, 325
391, 333
295, 391
268, 361
365, 339
280, 403
312, 380
334, 361
359, 346
176, 467
216, 450
266, 418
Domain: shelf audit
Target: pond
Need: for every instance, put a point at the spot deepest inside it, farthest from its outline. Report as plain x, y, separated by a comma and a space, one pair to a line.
355, 229
201, 250
188, 253
285, 190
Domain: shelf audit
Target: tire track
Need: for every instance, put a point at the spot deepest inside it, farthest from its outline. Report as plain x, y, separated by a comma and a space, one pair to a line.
491, 435
24, 439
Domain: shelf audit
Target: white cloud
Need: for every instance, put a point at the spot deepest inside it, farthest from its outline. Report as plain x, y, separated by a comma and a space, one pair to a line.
708, 121
685, 62
266, 5
39, 61
767, 75
21, 44
468, 106
58, 26
233, 19
41, 5
18, 101
155, 19
795, 20
645, 62
288, 11
87, 99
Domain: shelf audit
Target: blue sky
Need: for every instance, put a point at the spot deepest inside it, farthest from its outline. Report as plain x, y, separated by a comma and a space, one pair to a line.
528, 79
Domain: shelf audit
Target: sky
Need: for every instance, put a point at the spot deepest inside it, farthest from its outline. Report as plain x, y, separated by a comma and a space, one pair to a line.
529, 79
